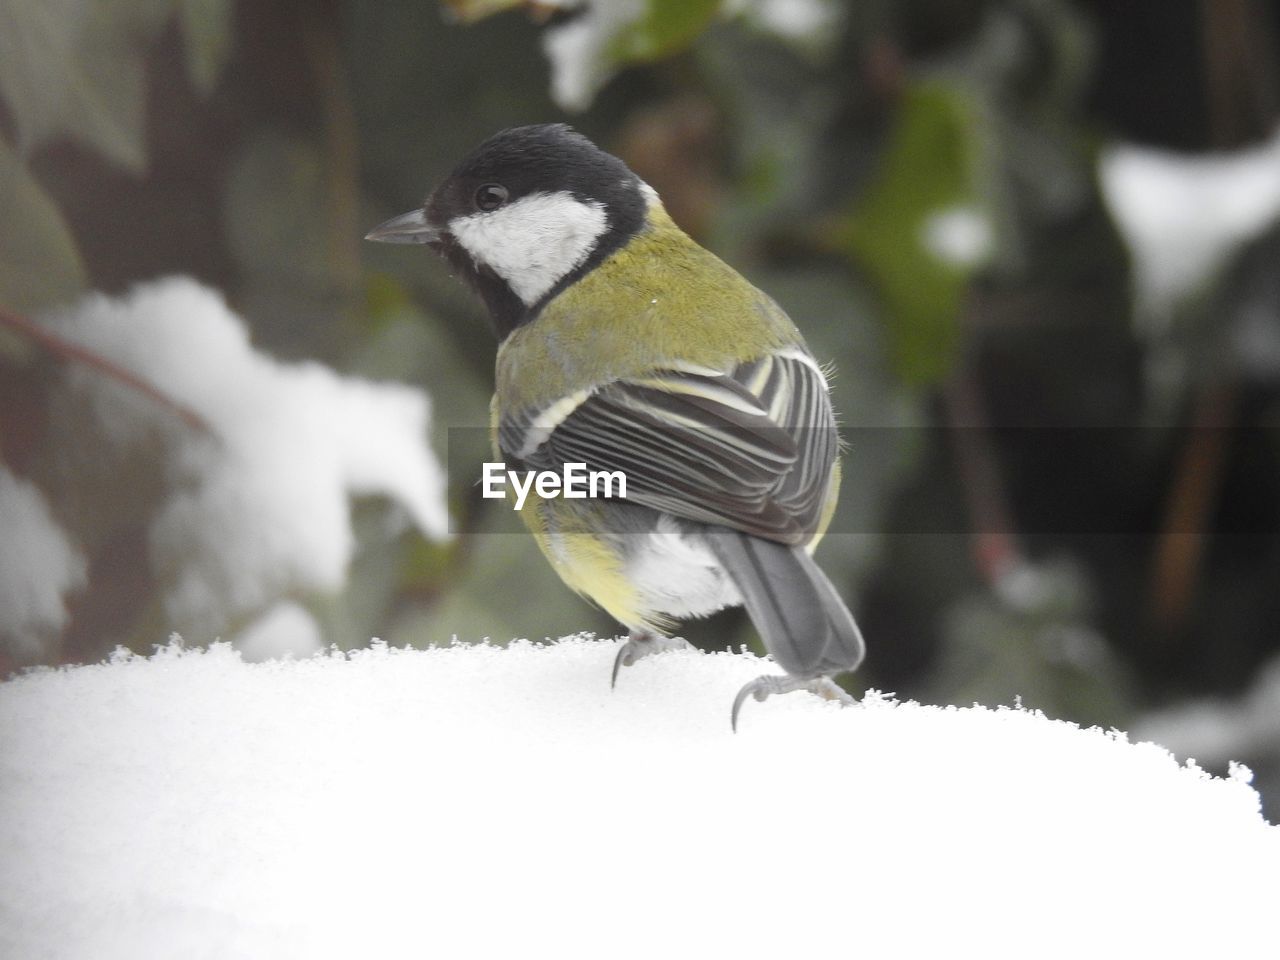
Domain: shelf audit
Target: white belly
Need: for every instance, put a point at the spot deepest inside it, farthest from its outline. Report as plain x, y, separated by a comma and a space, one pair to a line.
676, 574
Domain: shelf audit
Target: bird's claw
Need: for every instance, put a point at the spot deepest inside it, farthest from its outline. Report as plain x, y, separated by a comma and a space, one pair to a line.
641, 645
625, 658
761, 688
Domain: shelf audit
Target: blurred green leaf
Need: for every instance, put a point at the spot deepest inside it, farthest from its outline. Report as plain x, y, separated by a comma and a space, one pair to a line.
275, 225
1034, 643
74, 69
206, 31
661, 26
504, 589
277, 213
39, 262
410, 345
908, 230
434, 95
349, 617
386, 298
469, 11
665, 27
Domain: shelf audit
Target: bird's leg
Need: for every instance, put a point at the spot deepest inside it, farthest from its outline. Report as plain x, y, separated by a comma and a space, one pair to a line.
761, 688
640, 644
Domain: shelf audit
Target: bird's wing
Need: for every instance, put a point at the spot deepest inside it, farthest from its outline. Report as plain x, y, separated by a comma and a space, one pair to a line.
751, 448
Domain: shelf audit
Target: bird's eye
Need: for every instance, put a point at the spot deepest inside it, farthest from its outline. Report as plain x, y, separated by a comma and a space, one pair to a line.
490, 196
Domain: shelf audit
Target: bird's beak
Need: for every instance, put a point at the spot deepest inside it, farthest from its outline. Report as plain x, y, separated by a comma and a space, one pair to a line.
411, 227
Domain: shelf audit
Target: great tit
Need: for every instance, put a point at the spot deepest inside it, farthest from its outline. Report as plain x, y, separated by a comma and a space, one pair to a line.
625, 346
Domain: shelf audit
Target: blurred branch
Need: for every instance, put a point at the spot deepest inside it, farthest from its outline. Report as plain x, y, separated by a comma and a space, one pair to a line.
1240, 70
469, 11
67, 350
1180, 548
1240, 77
994, 541
342, 147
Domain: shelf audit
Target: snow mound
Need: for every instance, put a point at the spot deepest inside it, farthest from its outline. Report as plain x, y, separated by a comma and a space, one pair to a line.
480, 801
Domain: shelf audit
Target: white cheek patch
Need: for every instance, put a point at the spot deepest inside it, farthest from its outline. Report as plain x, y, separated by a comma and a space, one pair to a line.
534, 241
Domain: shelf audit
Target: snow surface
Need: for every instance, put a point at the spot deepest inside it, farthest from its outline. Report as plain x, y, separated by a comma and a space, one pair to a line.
257, 507
1182, 217
39, 566
486, 802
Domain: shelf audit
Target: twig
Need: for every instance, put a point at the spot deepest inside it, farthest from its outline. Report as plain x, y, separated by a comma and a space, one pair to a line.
995, 543
1239, 78
1240, 70
1188, 513
67, 350
323, 47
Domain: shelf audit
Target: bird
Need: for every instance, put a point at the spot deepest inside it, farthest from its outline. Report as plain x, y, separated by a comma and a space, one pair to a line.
624, 345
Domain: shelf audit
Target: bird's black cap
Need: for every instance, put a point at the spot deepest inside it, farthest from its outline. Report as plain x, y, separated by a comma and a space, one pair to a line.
542, 158
546, 157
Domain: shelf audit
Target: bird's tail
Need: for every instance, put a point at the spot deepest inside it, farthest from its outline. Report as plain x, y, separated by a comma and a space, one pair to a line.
804, 624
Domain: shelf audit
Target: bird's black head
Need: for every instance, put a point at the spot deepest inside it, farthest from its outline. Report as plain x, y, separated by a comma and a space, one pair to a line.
527, 213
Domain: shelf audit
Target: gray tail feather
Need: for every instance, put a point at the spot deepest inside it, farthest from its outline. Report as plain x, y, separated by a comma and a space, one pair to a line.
805, 625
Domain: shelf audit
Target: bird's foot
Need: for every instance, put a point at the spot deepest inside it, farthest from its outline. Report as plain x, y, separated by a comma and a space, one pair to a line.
642, 644
761, 688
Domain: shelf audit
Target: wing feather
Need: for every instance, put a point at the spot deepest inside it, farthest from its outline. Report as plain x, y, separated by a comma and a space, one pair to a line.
750, 448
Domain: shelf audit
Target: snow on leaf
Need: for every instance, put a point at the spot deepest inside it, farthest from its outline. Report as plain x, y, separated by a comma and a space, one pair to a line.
1183, 216
259, 506
588, 50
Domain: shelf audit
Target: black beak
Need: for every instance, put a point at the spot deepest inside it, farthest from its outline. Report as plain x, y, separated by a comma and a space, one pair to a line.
411, 227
